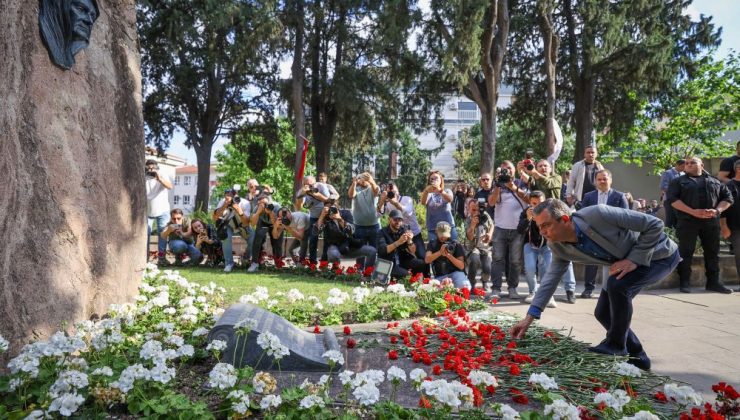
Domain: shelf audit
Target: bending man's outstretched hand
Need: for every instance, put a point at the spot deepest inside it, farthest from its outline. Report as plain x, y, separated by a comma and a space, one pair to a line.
621, 268
519, 330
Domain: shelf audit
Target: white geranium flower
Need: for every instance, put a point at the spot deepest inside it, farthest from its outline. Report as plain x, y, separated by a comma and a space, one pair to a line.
37, 415
543, 381
261, 293
334, 356
345, 377
271, 344
175, 340
66, 404
200, 332
246, 324
396, 288
129, 375
68, 381
561, 410
642, 415
506, 412
683, 395
294, 295
360, 293
374, 376
396, 374
615, 400
223, 376
169, 310
366, 394
103, 371
248, 299
626, 369
481, 378
311, 401
150, 350
270, 401
15, 383
186, 350
417, 375
216, 345
161, 373
3, 344
442, 391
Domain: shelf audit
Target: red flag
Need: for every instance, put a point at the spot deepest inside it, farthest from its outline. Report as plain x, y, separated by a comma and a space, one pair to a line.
302, 168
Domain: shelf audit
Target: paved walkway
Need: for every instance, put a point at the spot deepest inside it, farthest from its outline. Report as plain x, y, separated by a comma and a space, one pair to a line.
694, 338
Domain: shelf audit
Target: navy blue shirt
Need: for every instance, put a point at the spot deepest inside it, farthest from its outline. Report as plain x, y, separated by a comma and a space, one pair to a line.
591, 248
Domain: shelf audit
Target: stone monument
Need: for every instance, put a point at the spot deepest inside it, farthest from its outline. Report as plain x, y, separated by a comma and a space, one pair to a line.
306, 349
71, 155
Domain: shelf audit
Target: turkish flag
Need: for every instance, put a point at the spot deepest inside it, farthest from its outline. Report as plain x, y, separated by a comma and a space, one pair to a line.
302, 168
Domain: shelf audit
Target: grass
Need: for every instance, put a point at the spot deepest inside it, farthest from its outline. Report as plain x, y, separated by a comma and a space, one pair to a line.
239, 282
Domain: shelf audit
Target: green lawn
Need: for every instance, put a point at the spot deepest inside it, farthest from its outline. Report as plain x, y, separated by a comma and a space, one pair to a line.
239, 282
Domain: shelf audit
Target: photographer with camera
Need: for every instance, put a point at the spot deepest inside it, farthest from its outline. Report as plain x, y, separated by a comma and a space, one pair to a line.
339, 233
313, 196
263, 219
447, 257
478, 233
508, 198
231, 216
206, 241
540, 177
364, 194
395, 243
157, 207
295, 224
391, 199
437, 200
180, 238
537, 255
485, 184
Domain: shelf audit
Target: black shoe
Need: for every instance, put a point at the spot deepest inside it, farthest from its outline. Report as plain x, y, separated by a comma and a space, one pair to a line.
719, 288
603, 348
685, 289
570, 296
640, 360
586, 294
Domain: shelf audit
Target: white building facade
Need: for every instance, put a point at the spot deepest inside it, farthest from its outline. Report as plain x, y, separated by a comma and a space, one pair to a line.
186, 185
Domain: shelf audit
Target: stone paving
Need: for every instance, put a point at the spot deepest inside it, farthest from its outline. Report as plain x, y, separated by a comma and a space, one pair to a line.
693, 338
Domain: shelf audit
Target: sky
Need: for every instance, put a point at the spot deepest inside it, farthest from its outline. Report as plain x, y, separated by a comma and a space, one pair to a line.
725, 13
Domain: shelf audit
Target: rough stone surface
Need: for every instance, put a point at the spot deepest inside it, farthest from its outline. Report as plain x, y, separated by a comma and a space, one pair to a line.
72, 195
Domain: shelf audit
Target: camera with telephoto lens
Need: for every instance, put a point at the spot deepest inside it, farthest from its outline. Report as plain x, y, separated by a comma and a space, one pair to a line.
390, 194
284, 217
529, 164
270, 206
333, 210
149, 173
450, 247
503, 178
236, 199
481, 209
313, 190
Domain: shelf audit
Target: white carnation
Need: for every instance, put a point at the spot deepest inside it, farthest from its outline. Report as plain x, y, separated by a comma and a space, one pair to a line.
615, 400
626, 369
561, 410
543, 381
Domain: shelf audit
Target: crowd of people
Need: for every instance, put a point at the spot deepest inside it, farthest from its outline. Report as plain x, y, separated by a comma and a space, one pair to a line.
475, 236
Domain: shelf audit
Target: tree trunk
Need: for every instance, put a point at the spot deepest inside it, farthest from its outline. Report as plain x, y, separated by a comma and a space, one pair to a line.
72, 200
296, 93
551, 44
584, 115
488, 129
203, 157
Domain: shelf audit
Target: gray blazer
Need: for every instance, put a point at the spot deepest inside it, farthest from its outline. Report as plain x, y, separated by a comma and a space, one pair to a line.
626, 234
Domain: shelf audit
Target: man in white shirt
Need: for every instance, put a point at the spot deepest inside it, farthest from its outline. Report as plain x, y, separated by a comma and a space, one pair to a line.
582, 176
157, 207
231, 217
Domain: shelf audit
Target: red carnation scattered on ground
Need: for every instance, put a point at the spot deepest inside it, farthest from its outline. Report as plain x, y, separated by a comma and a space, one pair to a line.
316, 329
393, 355
515, 370
437, 369
368, 271
424, 403
518, 396
660, 397
347, 330
394, 339
351, 343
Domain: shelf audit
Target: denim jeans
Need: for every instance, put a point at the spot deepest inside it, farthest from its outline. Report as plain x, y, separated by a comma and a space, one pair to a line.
479, 260
262, 233
365, 255
536, 261
569, 279
162, 221
228, 247
459, 279
507, 248
179, 247
368, 235
614, 308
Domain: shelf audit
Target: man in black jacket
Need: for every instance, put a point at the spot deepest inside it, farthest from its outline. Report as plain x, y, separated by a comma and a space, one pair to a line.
338, 235
730, 221
396, 244
699, 199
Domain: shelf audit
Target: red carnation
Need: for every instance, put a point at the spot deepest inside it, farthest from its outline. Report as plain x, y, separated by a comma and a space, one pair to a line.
515, 370
424, 403
466, 293
458, 300
393, 355
437, 369
347, 330
394, 339
368, 271
660, 397
519, 397
323, 264
494, 300
511, 345
351, 343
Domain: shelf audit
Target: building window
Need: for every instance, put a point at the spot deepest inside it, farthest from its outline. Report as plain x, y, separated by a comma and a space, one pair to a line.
177, 180
187, 180
176, 200
186, 200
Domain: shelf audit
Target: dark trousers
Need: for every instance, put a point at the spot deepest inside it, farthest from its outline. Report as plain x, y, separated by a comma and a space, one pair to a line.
589, 277
707, 230
614, 308
421, 251
405, 265
313, 240
670, 214
260, 234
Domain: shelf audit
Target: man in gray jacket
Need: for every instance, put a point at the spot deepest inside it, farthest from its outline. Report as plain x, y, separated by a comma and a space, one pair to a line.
634, 247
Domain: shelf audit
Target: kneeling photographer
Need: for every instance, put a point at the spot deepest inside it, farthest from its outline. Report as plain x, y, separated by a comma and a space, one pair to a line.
231, 216
396, 244
447, 257
478, 232
391, 199
263, 219
180, 238
339, 236
295, 224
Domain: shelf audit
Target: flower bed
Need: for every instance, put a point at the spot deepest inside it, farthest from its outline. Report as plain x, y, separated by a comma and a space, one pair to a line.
150, 359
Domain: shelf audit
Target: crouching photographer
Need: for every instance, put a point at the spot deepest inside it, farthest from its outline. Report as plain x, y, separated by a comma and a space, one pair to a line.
231, 216
391, 199
447, 257
180, 238
294, 224
396, 243
339, 236
263, 219
206, 241
479, 232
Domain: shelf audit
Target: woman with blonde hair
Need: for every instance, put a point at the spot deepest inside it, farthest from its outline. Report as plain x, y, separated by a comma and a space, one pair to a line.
437, 200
